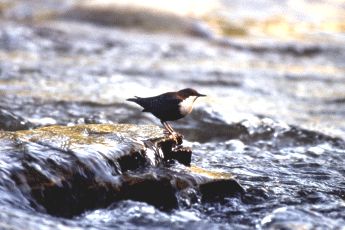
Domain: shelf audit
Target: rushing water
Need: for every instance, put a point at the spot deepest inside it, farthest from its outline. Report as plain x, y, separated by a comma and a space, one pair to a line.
274, 118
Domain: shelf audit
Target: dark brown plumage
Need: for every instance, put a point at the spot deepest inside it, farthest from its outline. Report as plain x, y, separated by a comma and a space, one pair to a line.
169, 106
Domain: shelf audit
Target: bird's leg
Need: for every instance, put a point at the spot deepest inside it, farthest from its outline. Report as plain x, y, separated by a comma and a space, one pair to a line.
168, 127
177, 137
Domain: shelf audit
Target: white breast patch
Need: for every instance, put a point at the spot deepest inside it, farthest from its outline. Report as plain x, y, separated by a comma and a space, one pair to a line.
186, 105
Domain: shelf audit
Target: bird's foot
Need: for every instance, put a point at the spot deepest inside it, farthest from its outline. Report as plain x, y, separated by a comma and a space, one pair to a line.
166, 132
177, 138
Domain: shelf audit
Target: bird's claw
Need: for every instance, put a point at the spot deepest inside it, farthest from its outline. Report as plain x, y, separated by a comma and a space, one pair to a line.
166, 132
177, 138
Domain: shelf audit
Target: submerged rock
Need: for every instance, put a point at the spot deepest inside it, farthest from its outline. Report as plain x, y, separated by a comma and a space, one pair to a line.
67, 170
12, 122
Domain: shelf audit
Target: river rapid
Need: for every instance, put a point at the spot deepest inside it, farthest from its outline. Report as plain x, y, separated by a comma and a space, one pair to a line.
273, 118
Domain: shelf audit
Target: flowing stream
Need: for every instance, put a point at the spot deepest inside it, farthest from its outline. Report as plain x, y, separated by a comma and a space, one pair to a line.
273, 119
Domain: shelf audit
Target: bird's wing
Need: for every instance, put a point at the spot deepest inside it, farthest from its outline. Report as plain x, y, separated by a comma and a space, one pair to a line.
163, 103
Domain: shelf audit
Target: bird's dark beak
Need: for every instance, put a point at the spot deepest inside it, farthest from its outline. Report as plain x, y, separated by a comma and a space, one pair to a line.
201, 95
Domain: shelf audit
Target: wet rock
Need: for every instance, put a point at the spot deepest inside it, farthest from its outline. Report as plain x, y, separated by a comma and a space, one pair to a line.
65, 171
103, 143
219, 189
211, 127
153, 189
149, 19
176, 152
12, 122
182, 154
255, 195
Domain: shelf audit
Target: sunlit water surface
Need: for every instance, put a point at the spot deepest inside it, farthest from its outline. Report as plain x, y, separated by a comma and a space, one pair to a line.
273, 118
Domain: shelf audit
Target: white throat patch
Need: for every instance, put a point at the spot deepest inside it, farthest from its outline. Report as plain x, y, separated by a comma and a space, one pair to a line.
186, 106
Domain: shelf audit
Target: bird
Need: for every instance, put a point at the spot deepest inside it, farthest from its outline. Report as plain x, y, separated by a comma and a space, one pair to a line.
170, 106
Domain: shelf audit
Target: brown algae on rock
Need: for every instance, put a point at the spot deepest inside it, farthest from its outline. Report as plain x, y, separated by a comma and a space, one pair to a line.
85, 134
211, 174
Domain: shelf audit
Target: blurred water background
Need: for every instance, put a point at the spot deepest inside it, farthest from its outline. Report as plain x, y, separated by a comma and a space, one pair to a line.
276, 68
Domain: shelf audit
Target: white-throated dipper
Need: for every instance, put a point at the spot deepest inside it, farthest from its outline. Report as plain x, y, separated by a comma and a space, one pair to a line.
169, 106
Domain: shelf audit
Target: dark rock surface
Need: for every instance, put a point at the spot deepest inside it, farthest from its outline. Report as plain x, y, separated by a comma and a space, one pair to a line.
12, 122
64, 171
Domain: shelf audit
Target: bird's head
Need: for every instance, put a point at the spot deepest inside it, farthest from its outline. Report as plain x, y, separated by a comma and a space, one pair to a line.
186, 93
